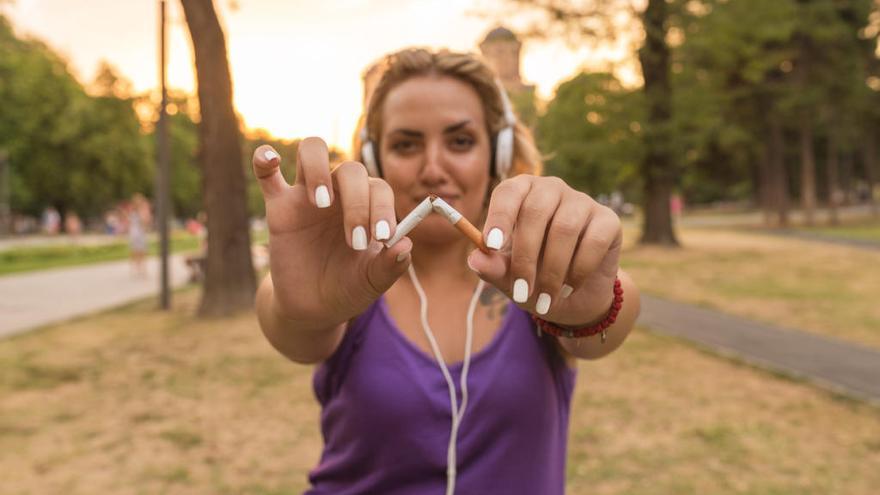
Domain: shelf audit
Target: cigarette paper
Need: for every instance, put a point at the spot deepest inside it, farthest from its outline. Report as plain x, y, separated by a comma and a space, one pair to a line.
410, 221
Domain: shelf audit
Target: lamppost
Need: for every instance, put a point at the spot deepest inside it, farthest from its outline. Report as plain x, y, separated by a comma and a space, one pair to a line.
5, 209
162, 172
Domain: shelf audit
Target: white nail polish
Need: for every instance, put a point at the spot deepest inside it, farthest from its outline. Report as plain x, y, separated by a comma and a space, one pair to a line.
566, 290
520, 290
359, 238
543, 304
402, 256
270, 155
495, 239
383, 230
322, 196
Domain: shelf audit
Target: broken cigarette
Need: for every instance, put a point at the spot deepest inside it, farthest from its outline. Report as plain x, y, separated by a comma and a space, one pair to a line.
460, 222
410, 221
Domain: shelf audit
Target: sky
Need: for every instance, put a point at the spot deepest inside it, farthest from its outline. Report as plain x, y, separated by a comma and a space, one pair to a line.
296, 64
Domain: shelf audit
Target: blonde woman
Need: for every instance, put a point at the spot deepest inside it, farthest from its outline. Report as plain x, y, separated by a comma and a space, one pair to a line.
432, 372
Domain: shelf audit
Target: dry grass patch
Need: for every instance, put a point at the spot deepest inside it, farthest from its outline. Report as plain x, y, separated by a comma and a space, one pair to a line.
659, 417
136, 401
826, 289
139, 402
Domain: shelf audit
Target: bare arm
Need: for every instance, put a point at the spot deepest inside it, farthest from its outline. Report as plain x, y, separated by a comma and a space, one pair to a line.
300, 341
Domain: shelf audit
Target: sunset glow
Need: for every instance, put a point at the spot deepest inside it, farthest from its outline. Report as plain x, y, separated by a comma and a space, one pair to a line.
296, 65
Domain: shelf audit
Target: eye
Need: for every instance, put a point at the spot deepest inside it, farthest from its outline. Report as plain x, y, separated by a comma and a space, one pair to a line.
404, 146
462, 142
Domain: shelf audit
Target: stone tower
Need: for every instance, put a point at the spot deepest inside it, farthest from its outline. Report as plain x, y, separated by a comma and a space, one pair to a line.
501, 49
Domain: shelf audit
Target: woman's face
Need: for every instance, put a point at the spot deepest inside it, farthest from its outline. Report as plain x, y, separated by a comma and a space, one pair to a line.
434, 141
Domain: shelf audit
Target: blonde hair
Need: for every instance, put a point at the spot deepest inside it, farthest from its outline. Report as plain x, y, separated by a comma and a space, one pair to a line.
412, 62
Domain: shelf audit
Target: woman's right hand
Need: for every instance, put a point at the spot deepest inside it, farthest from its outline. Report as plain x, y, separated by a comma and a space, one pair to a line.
325, 263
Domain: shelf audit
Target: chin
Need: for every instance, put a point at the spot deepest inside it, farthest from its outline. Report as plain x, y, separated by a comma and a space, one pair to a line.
435, 230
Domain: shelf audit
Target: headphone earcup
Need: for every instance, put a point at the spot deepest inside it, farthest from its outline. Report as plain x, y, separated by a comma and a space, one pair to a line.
504, 152
369, 159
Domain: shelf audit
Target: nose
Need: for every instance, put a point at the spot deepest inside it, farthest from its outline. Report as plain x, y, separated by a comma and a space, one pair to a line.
433, 166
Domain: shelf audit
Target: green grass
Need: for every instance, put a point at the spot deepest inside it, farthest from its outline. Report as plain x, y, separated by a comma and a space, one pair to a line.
32, 258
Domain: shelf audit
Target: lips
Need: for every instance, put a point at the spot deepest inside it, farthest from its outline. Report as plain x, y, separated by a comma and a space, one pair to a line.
446, 197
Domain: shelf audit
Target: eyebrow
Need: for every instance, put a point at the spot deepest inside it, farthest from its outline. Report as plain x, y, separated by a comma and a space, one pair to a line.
447, 130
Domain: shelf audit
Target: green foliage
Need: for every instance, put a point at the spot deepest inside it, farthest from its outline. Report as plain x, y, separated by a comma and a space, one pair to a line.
591, 133
736, 66
66, 148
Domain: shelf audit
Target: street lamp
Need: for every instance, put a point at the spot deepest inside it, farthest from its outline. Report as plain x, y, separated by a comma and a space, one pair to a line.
162, 172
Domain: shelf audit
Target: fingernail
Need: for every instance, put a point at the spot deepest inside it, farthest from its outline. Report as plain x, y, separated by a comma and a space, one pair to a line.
496, 239
543, 304
270, 155
322, 196
383, 230
402, 256
566, 290
520, 290
471, 266
359, 238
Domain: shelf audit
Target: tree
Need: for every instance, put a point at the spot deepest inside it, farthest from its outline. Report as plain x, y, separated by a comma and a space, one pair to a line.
658, 165
594, 21
230, 282
735, 56
66, 148
591, 132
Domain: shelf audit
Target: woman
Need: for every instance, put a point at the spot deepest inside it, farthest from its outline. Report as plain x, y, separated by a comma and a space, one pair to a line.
395, 418
138, 216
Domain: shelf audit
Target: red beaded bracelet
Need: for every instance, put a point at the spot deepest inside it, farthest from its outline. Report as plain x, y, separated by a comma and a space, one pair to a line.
601, 327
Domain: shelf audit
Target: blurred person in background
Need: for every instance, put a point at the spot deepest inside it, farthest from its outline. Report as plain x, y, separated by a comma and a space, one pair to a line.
138, 216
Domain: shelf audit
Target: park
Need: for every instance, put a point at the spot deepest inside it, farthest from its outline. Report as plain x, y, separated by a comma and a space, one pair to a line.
735, 140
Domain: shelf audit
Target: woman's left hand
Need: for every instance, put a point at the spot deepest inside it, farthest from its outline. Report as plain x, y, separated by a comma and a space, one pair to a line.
558, 252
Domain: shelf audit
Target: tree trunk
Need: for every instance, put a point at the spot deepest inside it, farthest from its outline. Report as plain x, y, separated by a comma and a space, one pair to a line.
831, 167
765, 186
869, 151
846, 178
779, 177
808, 172
658, 172
230, 282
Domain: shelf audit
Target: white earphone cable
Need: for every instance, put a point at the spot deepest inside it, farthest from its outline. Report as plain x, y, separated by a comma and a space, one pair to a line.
457, 412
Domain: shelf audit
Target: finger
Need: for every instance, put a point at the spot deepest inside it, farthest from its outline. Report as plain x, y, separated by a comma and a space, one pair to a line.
382, 216
313, 171
267, 169
503, 209
388, 265
566, 227
602, 238
354, 194
528, 237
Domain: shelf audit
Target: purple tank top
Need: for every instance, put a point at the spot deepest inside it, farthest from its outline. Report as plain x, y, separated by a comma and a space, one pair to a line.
385, 415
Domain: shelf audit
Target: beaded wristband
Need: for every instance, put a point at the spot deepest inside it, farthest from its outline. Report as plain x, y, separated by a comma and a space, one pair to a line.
601, 327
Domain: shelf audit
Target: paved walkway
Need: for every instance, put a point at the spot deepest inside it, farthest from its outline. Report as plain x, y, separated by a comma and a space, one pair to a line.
846, 368
827, 238
35, 299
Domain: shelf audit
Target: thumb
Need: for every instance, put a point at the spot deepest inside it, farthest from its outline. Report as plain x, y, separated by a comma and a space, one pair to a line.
490, 267
388, 265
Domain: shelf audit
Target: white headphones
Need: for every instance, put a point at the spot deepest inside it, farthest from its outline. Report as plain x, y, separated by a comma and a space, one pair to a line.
503, 142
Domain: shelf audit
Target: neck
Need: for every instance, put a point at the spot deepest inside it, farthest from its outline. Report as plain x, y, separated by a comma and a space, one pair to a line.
443, 265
